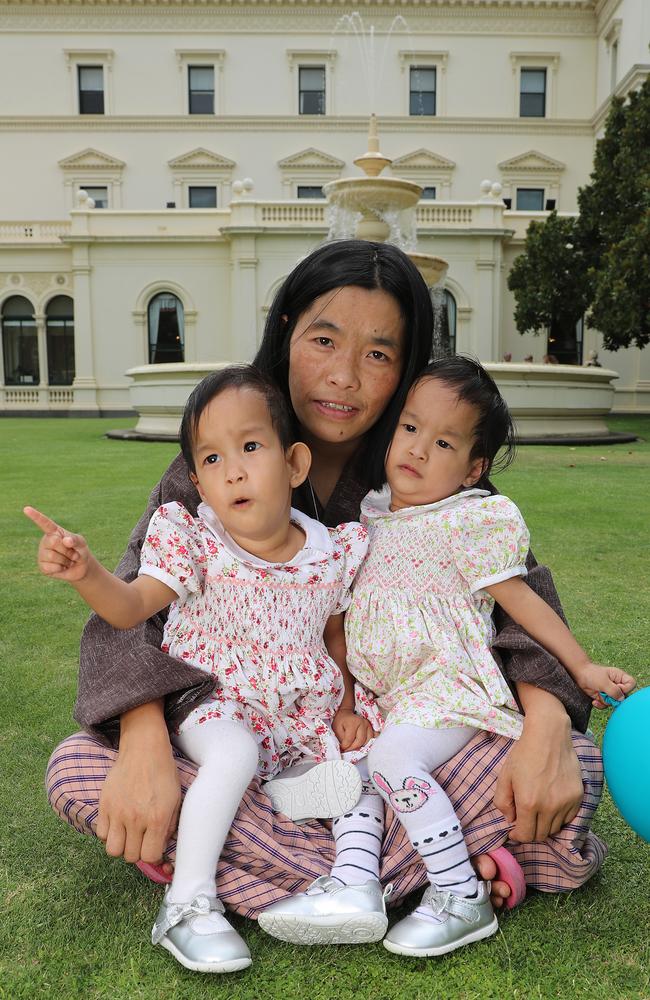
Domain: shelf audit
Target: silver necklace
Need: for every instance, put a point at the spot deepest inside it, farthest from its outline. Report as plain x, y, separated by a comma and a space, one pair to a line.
313, 499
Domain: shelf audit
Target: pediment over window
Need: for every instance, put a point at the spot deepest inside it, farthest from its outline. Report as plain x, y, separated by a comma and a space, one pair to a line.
311, 159
201, 159
532, 162
422, 159
91, 159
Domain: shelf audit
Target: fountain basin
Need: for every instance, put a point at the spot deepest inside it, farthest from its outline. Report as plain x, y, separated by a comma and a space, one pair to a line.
158, 393
374, 198
549, 403
557, 403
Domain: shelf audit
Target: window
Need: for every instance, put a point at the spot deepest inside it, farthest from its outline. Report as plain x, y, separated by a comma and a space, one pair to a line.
311, 90
532, 93
91, 90
530, 200
19, 342
565, 342
202, 197
309, 191
98, 194
422, 90
428, 193
450, 305
59, 318
166, 329
201, 90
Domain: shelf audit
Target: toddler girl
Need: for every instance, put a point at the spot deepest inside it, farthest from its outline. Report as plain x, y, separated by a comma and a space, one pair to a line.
442, 551
256, 593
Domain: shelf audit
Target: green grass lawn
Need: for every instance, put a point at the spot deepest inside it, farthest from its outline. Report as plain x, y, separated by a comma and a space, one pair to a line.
75, 923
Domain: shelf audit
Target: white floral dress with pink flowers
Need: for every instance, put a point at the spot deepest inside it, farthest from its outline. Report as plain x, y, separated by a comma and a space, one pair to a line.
419, 626
257, 627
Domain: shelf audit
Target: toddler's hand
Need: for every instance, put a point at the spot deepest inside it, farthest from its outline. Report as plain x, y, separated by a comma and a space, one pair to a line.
595, 678
351, 730
60, 554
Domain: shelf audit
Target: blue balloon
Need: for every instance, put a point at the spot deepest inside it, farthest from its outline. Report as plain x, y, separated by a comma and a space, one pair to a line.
626, 756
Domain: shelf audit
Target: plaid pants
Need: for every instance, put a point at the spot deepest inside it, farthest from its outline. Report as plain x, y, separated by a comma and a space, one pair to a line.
267, 857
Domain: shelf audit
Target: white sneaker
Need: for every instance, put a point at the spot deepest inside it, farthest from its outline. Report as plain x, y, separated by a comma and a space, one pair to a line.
329, 913
315, 791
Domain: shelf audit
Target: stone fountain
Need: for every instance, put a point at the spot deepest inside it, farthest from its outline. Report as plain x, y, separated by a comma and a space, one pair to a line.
380, 208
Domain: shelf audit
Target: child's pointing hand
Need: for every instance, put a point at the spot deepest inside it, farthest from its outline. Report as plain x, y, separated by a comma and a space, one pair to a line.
60, 554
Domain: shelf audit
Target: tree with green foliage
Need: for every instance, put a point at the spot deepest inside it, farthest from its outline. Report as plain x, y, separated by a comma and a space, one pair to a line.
599, 261
549, 279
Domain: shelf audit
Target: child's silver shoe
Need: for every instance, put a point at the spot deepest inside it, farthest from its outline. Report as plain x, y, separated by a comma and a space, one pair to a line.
329, 913
315, 791
464, 921
223, 951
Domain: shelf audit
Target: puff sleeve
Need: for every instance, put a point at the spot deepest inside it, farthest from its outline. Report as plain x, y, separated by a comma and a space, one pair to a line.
173, 551
351, 541
490, 541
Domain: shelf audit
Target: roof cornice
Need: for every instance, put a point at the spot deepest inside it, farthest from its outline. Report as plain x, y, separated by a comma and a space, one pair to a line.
529, 6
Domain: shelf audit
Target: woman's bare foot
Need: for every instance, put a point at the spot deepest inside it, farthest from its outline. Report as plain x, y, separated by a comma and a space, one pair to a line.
487, 869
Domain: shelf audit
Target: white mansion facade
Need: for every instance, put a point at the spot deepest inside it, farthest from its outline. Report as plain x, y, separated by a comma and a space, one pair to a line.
159, 112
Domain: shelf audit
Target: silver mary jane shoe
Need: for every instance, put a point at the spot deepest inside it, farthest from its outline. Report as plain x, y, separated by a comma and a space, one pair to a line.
222, 951
461, 921
315, 791
330, 913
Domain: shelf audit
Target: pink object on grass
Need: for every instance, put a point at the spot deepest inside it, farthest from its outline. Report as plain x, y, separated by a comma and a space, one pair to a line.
510, 871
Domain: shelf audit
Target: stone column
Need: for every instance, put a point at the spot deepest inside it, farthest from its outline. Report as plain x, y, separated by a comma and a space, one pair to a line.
43, 378
84, 384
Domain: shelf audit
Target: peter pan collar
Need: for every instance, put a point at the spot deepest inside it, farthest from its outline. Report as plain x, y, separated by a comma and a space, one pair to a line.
376, 504
318, 542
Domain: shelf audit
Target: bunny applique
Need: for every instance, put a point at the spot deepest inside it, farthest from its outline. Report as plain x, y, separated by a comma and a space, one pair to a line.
407, 799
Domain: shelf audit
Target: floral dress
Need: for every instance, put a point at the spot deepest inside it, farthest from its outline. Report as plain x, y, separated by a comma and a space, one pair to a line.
257, 627
419, 627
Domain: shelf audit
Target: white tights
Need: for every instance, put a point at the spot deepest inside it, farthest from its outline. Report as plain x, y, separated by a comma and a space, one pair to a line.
400, 763
227, 758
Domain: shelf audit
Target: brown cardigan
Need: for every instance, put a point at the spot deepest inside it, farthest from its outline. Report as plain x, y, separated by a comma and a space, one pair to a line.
120, 670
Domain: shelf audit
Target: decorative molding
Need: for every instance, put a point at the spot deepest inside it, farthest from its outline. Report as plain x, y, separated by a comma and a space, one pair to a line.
408, 57
201, 57
92, 168
536, 60
583, 5
309, 166
567, 18
312, 57
542, 59
427, 169
100, 57
532, 169
204, 168
311, 159
613, 33
202, 159
421, 159
430, 60
91, 159
400, 124
633, 79
532, 162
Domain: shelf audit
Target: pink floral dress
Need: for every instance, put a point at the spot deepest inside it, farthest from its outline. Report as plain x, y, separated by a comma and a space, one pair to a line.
419, 626
257, 626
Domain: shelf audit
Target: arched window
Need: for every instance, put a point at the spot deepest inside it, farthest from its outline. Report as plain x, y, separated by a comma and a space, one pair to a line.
19, 342
450, 303
166, 329
60, 340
